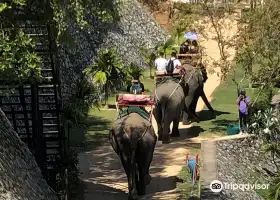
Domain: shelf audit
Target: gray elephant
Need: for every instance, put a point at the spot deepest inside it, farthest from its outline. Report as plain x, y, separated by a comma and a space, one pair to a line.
194, 83
172, 98
133, 139
169, 103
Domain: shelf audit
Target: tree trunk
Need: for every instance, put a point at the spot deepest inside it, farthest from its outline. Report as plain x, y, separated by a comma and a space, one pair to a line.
21, 176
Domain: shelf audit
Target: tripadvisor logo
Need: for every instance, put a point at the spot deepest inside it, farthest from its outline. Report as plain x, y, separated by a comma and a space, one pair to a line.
218, 186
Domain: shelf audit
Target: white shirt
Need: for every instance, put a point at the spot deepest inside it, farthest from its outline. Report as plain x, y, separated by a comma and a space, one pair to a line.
161, 64
176, 62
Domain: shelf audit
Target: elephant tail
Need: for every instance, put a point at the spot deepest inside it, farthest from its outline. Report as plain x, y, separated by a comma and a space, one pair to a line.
163, 109
132, 164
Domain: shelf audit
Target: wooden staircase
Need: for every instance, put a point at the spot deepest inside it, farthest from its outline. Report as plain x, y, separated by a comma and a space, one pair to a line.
35, 109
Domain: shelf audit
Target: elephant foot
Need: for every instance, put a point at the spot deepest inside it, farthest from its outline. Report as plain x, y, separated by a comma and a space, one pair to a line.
166, 141
141, 192
175, 133
133, 195
147, 179
196, 119
186, 122
159, 137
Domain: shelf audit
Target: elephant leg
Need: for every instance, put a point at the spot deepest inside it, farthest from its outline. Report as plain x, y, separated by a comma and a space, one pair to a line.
158, 117
166, 130
130, 173
175, 128
187, 113
193, 105
144, 162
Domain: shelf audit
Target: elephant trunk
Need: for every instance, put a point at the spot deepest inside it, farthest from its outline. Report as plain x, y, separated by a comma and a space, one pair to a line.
204, 98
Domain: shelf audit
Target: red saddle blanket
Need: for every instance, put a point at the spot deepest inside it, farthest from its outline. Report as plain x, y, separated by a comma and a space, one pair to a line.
134, 98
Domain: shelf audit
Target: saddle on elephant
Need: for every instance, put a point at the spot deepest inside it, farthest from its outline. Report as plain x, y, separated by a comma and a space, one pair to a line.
177, 74
134, 103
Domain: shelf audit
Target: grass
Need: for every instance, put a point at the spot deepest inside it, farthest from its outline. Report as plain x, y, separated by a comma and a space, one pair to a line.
188, 191
224, 103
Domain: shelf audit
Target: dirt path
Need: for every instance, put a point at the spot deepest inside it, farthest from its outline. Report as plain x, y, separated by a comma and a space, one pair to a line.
102, 172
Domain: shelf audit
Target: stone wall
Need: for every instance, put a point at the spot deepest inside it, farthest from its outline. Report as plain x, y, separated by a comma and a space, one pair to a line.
237, 161
240, 161
20, 177
134, 29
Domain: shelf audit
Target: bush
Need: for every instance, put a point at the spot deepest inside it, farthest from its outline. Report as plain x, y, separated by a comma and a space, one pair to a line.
76, 111
263, 100
265, 125
69, 181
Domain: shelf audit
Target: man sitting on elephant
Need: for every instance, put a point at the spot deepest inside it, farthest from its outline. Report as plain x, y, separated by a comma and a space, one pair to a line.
136, 86
174, 60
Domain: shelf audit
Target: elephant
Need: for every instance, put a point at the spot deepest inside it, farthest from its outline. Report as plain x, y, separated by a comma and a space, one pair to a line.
169, 103
133, 139
173, 98
194, 89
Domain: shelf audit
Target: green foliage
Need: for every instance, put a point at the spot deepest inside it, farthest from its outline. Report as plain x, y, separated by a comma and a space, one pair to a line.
265, 125
106, 70
71, 177
275, 189
165, 46
134, 71
18, 62
258, 47
73, 172
86, 97
262, 98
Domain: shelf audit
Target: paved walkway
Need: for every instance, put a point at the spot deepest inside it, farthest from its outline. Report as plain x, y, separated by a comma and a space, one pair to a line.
104, 177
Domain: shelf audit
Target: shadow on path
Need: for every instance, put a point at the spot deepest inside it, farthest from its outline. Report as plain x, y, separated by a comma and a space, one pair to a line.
206, 115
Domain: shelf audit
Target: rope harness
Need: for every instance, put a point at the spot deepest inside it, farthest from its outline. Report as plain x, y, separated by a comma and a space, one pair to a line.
178, 84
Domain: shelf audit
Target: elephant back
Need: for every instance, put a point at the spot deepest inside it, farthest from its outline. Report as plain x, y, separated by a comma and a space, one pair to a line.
188, 67
131, 122
133, 109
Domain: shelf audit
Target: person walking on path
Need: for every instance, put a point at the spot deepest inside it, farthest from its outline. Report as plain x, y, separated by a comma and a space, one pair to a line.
242, 102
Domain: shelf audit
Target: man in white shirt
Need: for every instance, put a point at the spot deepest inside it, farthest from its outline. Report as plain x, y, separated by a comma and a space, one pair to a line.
176, 63
161, 63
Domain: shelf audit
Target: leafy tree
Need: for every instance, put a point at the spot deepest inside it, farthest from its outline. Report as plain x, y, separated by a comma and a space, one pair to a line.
259, 52
134, 71
149, 56
106, 70
165, 46
18, 60
86, 96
